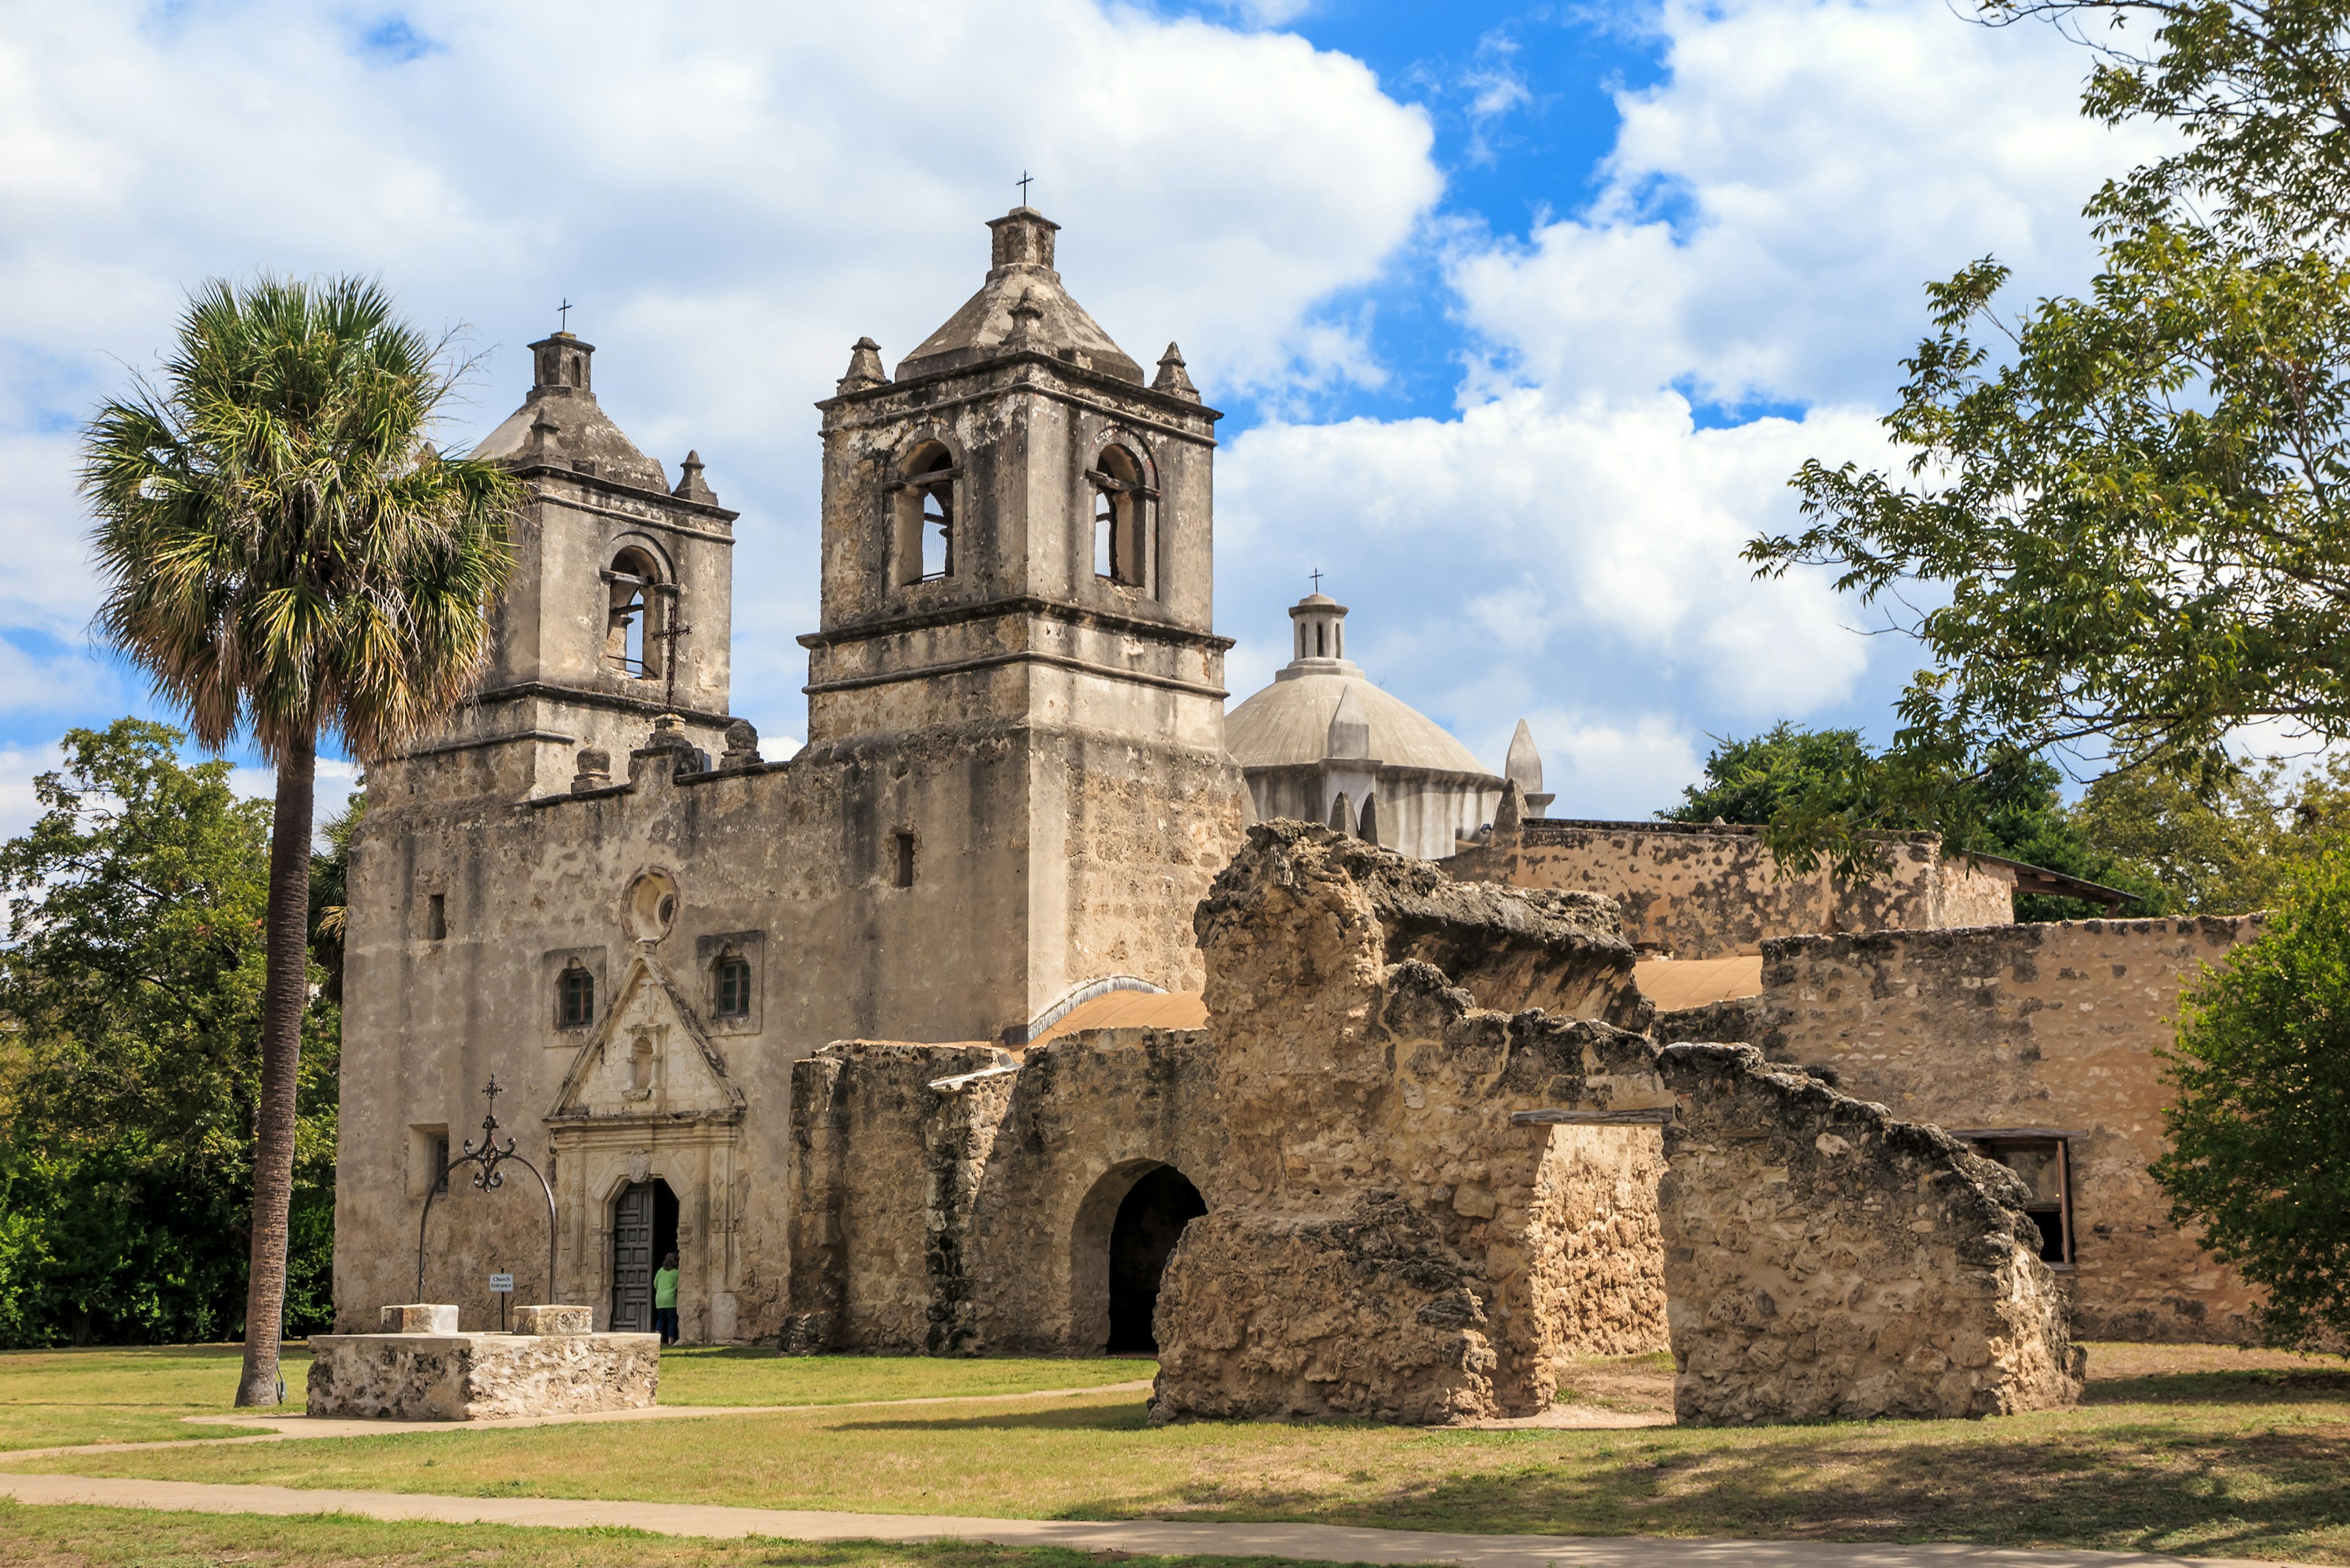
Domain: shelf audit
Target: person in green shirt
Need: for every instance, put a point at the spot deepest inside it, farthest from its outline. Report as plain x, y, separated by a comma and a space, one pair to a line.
665, 1300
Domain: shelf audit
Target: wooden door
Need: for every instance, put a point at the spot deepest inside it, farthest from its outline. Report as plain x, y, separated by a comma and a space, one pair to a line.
633, 1260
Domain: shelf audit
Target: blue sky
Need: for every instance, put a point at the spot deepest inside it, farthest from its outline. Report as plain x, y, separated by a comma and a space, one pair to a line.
1520, 314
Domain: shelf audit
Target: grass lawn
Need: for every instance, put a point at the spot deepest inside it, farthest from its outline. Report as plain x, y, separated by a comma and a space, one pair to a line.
53, 1398
138, 1538
2190, 1449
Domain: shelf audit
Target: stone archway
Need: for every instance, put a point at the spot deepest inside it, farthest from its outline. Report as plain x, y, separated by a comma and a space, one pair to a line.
1124, 1229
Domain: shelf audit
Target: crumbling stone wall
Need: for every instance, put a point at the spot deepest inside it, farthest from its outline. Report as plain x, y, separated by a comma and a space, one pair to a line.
1690, 890
1000, 1175
1382, 1239
890, 1141
1596, 1275
2052, 1026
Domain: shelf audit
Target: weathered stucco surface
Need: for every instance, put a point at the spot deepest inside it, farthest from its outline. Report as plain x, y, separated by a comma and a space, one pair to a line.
1695, 891
477, 1377
2051, 1026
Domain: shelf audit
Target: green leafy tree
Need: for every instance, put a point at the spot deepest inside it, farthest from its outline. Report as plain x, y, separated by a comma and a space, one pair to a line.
130, 992
2126, 508
1813, 786
290, 560
2260, 1131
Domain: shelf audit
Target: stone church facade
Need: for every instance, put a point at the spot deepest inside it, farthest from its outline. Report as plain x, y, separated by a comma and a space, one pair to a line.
867, 1037
595, 888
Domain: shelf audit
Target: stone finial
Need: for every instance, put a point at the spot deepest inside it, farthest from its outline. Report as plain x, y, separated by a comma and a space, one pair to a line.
668, 741
1342, 814
1524, 768
1172, 379
1349, 737
864, 367
544, 441
594, 770
690, 485
1511, 812
1028, 330
741, 746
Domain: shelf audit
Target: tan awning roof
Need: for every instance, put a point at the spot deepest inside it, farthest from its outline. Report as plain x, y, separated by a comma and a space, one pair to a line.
1675, 983
1131, 1009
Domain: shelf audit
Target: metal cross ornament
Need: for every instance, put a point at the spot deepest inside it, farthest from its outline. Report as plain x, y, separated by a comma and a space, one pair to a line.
1316, 576
563, 314
1025, 178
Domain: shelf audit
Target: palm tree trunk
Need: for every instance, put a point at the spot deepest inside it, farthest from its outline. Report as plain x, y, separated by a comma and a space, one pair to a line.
286, 994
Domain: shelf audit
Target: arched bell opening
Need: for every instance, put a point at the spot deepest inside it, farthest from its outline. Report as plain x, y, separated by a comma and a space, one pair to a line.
1126, 1229
644, 1232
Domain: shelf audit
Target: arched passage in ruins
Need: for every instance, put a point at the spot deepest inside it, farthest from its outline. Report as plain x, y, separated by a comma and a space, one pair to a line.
1126, 1227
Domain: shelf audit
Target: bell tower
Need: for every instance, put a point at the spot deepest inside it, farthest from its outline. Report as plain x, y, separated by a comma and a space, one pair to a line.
1017, 526
1018, 566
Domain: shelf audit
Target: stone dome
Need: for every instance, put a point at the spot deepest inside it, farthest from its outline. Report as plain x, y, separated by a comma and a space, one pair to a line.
1290, 720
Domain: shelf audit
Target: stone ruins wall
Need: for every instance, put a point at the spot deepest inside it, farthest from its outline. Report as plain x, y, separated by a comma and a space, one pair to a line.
1001, 1178
2051, 1026
1385, 1239
1596, 1275
890, 1141
1695, 891
1823, 1260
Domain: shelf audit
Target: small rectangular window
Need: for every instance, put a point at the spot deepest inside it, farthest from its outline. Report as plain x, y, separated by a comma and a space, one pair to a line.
438, 1166
574, 998
2044, 1167
904, 870
733, 987
436, 916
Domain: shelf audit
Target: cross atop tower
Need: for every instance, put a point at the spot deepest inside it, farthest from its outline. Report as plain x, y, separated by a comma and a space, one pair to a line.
563, 314
1316, 576
1025, 178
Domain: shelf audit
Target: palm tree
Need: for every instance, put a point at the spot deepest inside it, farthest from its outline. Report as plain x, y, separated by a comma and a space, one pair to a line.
289, 559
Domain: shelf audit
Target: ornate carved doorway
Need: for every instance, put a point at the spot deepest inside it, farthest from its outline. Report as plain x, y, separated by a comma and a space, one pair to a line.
644, 1231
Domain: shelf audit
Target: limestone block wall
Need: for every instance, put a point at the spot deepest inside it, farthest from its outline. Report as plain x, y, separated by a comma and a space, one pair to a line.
2053, 1026
1696, 891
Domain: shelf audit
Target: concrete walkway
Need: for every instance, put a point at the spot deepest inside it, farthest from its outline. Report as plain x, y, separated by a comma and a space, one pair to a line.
1328, 1542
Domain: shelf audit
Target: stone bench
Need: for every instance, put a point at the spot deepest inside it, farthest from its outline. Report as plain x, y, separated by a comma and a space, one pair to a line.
421, 1368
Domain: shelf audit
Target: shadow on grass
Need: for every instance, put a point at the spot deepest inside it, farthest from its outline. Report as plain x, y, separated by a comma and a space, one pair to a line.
1125, 1417
2288, 1386
2140, 1488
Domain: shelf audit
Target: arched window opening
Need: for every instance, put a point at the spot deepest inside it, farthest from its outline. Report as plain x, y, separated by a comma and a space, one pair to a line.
925, 544
1120, 522
635, 609
1368, 824
1321, 639
1149, 1223
733, 977
575, 997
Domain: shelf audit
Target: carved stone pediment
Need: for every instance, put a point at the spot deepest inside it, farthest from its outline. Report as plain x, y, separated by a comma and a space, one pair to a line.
650, 1058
